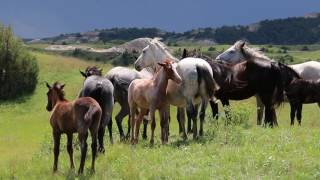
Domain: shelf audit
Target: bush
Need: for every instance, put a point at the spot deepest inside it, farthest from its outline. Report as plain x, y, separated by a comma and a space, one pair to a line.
18, 69
211, 48
305, 48
124, 59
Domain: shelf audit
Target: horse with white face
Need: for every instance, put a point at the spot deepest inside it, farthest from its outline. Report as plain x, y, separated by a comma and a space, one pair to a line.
197, 81
309, 70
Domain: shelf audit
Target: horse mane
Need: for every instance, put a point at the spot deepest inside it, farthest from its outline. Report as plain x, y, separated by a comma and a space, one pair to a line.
252, 53
57, 87
157, 42
94, 69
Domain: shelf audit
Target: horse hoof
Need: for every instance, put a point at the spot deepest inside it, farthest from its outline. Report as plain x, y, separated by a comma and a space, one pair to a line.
151, 142
101, 150
144, 137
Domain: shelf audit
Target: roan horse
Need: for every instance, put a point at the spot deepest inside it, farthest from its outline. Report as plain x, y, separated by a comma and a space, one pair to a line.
197, 82
121, 77
150, 94
301, 92
100, 89
78, 116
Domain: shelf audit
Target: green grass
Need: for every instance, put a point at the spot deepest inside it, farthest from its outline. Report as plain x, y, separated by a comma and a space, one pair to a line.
239, 152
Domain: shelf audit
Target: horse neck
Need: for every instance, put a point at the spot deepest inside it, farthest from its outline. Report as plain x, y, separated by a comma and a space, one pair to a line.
161, 81
58, 100
165, 54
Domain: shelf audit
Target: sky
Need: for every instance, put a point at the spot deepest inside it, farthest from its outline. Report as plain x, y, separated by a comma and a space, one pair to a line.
45, 18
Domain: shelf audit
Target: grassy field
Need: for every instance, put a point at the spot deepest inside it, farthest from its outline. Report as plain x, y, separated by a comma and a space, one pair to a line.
242, 151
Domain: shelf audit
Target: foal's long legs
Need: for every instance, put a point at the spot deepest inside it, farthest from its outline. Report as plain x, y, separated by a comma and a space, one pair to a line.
138, 122
83, 145
70, 149
93, 133
56, 150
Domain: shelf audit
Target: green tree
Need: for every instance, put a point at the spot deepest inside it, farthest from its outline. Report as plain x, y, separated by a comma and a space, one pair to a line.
18, 69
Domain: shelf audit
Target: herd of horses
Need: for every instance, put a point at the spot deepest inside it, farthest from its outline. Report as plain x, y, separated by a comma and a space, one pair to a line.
160, 80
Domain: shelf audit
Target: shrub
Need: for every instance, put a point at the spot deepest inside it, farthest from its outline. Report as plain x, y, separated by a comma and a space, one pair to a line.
18, 69
211, 48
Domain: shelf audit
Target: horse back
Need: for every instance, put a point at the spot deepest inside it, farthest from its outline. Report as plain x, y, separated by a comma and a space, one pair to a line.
62, 119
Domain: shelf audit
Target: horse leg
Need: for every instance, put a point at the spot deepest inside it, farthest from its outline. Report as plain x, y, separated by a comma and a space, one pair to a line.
226, 105
93, 133
274, 117
299, 113
260, 109
193, 113
189, 123
70, 149
145, 127
138, 122
268, 116
153, 125
56, 150
181, 120
119, 118
163, 113
132, 119
110, 130
292, 113
101, 132
214, 109
83, 145
202, 115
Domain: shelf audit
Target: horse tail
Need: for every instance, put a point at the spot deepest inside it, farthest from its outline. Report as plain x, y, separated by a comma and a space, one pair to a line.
279, 86
91, 112
204, 75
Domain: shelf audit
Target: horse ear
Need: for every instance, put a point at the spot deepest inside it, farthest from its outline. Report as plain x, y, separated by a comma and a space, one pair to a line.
184, 53
62, 86
48, 85
83, 74
243, 43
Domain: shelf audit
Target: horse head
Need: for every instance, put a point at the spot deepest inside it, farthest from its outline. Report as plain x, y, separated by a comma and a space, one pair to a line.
234, 54
171, 71
94, 70
151, 55
55, 93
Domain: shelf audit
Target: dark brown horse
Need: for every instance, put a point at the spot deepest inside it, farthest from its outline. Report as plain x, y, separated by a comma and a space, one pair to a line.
68, 117
300, 92
256, 76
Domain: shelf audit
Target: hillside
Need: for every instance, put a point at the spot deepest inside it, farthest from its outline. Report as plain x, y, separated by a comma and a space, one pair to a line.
277, 31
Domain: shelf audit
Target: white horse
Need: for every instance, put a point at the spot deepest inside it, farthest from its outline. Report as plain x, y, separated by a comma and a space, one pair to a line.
309, 70
197, 81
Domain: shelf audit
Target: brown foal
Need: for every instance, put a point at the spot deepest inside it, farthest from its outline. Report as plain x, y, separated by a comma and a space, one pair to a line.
68, 117
150, 94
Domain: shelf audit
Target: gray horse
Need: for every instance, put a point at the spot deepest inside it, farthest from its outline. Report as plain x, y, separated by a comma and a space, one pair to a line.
100, 89
121, 77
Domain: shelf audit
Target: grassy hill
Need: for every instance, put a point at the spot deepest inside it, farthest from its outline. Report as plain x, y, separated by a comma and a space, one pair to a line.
244, 151
275, 31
